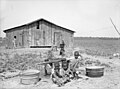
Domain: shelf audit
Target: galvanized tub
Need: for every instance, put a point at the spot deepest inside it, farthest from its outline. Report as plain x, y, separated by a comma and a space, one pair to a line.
94, 71
29, 77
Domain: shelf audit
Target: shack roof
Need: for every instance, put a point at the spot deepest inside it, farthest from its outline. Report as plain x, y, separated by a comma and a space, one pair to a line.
7, 30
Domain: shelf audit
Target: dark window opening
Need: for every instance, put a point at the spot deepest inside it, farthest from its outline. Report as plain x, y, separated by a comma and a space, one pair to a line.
15, 37
38, 25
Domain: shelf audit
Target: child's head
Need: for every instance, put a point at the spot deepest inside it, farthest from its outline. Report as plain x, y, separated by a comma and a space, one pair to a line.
76, 54
65, 64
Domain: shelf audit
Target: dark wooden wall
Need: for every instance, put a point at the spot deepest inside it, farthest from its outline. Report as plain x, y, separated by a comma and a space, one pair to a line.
39, 34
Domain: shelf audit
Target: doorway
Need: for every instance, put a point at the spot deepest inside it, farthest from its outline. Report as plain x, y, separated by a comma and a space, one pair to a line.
57, 38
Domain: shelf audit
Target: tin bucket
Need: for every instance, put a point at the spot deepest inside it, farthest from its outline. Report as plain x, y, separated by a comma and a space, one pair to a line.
30, 77
94, 71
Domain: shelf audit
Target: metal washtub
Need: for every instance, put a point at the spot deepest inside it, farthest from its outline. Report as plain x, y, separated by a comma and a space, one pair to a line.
95, 71
30, 77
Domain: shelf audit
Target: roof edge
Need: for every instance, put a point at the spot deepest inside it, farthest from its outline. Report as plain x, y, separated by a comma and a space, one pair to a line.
41, 19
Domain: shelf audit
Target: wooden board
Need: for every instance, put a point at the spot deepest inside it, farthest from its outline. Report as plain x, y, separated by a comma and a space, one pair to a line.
40, 46
52, 61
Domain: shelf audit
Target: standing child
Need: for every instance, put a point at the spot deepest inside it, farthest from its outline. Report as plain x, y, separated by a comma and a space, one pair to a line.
62, 50
14, 42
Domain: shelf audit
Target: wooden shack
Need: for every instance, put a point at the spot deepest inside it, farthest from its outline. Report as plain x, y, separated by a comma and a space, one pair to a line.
39, 33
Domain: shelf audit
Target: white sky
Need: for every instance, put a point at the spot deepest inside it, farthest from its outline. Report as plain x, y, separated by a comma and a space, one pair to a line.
87, 17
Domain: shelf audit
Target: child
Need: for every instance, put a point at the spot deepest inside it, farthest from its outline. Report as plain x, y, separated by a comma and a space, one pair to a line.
75, 64
62, 50
56, 77
59, 75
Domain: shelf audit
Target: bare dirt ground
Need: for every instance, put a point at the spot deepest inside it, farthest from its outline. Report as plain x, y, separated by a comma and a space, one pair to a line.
110, 80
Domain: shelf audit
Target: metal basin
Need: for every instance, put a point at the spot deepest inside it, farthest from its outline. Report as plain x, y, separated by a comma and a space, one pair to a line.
30, 77
94, 71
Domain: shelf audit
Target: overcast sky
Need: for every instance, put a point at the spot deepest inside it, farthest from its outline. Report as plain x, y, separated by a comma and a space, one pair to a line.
87, 17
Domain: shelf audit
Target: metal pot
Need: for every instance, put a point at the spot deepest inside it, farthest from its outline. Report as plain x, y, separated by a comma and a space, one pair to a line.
94, 71
30, 77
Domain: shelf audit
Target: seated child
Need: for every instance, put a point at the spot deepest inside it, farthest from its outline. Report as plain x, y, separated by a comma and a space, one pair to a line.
59, 74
